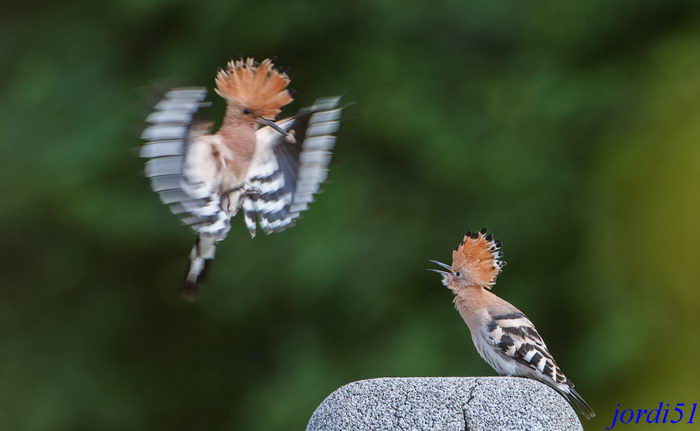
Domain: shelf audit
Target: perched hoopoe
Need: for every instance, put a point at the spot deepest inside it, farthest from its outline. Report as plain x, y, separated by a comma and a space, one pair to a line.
271, 172
504, 337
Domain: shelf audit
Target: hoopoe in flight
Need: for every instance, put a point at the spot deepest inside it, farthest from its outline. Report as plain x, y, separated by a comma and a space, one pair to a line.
504, 337
271, 172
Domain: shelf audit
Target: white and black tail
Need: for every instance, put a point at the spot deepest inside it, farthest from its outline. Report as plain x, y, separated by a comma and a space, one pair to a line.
577, 402
201, 256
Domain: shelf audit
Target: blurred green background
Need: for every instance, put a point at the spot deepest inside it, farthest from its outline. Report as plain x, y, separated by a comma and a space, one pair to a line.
570, 129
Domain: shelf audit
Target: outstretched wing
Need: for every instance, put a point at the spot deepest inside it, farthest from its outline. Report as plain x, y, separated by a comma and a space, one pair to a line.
513, 335
285, 175
181, 165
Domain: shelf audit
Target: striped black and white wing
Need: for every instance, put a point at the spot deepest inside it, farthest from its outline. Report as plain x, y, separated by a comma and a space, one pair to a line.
285, 176
180, 165
517, 342
514, 336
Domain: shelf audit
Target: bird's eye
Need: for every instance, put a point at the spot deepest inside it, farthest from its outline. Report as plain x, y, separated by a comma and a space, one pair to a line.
246, 111
458, 274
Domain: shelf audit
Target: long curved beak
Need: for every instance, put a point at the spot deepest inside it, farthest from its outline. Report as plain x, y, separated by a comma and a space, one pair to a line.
270, 123
447, 267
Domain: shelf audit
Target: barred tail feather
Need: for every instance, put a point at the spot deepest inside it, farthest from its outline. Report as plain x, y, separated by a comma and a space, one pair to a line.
200, 258
578, 403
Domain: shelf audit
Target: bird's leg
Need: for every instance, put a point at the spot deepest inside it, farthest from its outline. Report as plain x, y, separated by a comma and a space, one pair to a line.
247, 191
252, 192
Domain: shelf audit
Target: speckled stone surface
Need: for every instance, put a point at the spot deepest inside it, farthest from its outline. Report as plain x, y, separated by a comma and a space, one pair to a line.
444, 403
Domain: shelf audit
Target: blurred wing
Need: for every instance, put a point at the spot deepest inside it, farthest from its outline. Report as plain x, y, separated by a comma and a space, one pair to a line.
180, 163
284, 176
513, 335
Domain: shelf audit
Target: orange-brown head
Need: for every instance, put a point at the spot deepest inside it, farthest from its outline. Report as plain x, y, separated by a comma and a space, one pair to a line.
475, 262
253, 91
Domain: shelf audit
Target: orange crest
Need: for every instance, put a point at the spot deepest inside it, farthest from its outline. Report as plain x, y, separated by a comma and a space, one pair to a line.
477, 257
258, 87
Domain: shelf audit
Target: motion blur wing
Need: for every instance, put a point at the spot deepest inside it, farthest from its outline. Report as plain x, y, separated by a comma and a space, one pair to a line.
285, 175
180, 165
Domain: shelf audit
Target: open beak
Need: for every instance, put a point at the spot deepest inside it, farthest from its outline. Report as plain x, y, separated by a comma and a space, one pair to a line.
270, 123
443, 273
